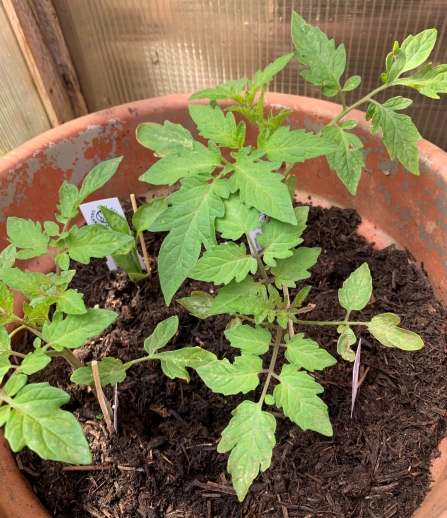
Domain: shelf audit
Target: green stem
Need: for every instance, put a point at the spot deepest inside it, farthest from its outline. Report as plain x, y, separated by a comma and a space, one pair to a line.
12, 353
279, 335
288, 170
365, 99
258, 259
342, 99
68, 355
16, 330
335, 323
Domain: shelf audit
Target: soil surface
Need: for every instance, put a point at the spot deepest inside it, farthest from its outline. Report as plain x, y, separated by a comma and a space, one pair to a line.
164, 463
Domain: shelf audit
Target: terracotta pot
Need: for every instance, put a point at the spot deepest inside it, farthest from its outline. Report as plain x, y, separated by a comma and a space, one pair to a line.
395, 207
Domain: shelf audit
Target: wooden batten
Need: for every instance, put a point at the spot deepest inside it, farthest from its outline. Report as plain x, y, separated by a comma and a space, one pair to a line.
38, 32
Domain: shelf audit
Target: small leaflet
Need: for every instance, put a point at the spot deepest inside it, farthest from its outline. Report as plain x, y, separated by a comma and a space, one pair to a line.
255, 232
355, 375
93, 216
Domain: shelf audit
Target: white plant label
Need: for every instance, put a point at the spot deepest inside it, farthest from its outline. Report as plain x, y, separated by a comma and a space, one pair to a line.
355, 375
93, 216
255, 232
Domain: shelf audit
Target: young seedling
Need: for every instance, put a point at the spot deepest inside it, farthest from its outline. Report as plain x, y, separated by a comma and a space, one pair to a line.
225, 186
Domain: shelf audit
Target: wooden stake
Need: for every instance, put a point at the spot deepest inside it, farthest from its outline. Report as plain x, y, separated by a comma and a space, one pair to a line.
285, 290
142, 243
101, 398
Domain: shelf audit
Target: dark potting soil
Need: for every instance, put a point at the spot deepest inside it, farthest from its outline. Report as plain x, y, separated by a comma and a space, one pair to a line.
164, 462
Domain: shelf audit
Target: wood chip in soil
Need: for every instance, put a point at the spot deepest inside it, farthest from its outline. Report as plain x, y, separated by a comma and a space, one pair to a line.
164, 461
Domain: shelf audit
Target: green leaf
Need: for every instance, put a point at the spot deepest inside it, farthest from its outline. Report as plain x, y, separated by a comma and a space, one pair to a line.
164, 331
245, 297
6, 304
301, 297
325, 63
115, 221
164, 140
296, 146
399, 132
198, 304
74, 330
260, 187
188, 162
429, 81
294, 268
395, 63
63, 261
5, 341
223, 263
352, 83
279, 238
14, 384
251, 437
4, 413
348, 161
5, 365
32, 284
345, 340
225, 378
98, 177
229, 90
8, 257
37, 421
29, 235
147, 214
95, 241
418, 48
68, 196
127, 263
254, 340
137, 277
296, 394
384, 328
266, 75
71, 302
214, 124
195, 208
37, 314
269, 399
51, 228
307, 354
291, 183
111, 371
34, 362
356, 290
174, 363
238, 219
164, 222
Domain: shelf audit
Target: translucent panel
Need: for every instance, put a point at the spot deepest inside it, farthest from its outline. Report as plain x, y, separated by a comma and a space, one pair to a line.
127, 50
22, 115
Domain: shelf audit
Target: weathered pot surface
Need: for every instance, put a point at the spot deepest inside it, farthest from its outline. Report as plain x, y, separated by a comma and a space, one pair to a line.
395, 207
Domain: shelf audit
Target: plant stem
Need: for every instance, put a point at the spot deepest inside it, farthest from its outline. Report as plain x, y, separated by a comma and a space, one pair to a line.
16, 330
68, 355
335, 323
12, 353
288, 170
258, 259
342, 99
365, 99
279, 334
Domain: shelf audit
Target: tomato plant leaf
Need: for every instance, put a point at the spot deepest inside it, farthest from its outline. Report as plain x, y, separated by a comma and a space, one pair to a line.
229, 90
418, 48
384, 328
164, 331
111, 371
174, 363
345, 340
296, 394
34, 362
28, 235
307, 354
429, 81
356, 290
214, 124
198, 304
98, 177
164, 140
295, 268
250, 436
265, 76
147, 214
231, 378
238, 218
223, 263
254, 340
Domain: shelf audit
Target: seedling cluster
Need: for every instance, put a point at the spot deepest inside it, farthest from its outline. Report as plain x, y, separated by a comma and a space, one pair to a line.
225, 186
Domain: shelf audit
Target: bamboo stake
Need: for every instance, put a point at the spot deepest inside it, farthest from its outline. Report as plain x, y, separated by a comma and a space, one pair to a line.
101, 398
142, 243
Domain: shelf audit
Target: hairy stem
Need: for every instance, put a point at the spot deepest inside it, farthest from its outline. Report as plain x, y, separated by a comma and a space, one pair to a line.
258, 258
271, 371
